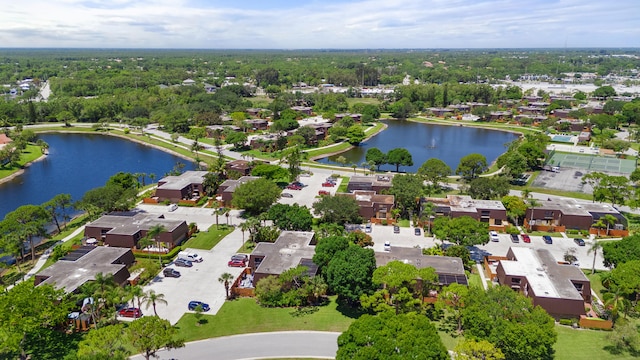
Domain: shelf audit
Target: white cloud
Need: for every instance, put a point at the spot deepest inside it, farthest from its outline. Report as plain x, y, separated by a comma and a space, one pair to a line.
333, 24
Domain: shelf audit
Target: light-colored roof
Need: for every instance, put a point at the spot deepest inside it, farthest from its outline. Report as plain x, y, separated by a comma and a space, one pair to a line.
182, 181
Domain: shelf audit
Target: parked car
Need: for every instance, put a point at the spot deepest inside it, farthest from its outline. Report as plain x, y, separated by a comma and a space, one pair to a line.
396, 229
172, 207
193, 304
331, 179
286, 195
236, 263
387, 245
515, 238
183, 263
493, 236
240, 257
417, 231
578, 241
193, 257
294, 187
367, 228
298, 183
171, 272
526, 238
323, 192
328, 184
130, 312
547, 239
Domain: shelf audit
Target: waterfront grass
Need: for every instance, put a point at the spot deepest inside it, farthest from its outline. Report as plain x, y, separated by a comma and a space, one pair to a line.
231, 319
206, 240
29, 154
584, 344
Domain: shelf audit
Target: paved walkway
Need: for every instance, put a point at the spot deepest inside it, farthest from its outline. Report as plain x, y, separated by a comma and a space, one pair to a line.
484, 278
273, 345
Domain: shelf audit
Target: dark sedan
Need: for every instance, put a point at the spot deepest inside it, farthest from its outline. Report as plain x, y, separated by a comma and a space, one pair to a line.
194, 304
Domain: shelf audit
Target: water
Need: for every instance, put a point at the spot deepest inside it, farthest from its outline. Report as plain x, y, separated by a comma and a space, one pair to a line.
425, 141
80, 162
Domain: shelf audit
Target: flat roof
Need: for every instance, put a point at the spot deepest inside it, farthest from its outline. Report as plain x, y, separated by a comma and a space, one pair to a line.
131, 223
287, 252
414, 256
464, 203
71, 274
545, 276
231, 185
182, 181
572, 207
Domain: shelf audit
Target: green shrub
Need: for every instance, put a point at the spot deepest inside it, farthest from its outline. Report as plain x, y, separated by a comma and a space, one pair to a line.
203, 200
384, 222
126, 131
568, 322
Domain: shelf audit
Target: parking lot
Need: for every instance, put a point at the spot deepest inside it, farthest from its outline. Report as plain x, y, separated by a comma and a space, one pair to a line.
199, 282
407, 238
309, 193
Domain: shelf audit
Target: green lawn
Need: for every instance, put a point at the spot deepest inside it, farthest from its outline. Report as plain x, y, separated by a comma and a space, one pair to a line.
31, 153
206, 240
596, 282
328, 150
373, 101
244, 316
343, 185
475, 280
584, 344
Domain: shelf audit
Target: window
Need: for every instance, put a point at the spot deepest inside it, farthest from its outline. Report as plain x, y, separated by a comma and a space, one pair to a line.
498, 221
515, 281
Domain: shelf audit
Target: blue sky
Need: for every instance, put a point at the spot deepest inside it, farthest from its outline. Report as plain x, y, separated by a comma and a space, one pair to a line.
304, 24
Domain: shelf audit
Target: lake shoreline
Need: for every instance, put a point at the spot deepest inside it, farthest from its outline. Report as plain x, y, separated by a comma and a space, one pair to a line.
313, 159
22, 170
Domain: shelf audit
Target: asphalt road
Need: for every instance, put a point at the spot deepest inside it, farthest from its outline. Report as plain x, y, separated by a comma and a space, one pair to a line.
300, 344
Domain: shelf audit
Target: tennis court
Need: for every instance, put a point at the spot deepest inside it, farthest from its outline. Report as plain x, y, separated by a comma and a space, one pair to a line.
592, 162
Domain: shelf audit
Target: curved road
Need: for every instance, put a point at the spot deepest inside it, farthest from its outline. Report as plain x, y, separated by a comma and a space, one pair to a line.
302, 344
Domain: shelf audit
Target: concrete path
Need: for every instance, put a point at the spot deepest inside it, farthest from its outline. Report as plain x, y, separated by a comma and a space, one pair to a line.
484, 278
274, 345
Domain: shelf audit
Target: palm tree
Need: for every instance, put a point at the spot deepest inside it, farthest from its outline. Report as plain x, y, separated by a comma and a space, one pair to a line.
318, 288
226, 279
153, 234
154, 298
135, 292
616, 304
526, 193
152, 176
533, 203
244, 227
594, 249
608, 220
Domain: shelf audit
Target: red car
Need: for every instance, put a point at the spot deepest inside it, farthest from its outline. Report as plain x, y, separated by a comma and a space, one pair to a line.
323, 192
130, 312
236, 263
525, 238
328, 184
294, 187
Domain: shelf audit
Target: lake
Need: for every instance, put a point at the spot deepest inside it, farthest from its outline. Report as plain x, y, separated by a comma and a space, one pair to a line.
425, 141
80, 162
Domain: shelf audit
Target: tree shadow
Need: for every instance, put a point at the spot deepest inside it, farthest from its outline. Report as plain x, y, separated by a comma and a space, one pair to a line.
304, 310
349, 311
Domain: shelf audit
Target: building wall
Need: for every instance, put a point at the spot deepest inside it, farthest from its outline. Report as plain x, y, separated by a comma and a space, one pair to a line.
560, 308
125, 241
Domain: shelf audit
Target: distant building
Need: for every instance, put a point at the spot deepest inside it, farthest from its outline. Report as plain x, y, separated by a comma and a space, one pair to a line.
185, 186
373, 207
558, 215
4, 140
291, 249
303, 109
561, 289
82, 265
228, 187
126, 229
244, 167
375, 183
188, 82
489, 211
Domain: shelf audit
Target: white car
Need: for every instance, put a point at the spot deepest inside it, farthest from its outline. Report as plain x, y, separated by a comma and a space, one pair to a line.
193, 257
493, 236
387, 246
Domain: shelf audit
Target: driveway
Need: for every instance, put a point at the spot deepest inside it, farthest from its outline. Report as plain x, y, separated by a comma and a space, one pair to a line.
287, 344
199, 282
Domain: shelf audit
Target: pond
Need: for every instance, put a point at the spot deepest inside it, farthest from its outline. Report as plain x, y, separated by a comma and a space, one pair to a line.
425, 141
80, 162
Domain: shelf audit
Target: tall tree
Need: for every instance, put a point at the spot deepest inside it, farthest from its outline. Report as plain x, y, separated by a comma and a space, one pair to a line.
337, 209
29, 222
434, 171
407, 190
226, 280
471, 166
350, 271
463, 230
104, 343
152, 298
399, 157
256, 196
388, 336
150, 334
377, 157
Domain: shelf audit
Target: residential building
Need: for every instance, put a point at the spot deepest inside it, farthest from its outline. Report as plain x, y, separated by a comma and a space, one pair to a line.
500, 115
244, 167
127, 228
489, 211
373, 183
186, 186
440, 112
303, 109
4, 140
257, 124
449, 269
227, 188
559, 215
373, 207
355, 117
460, 108
561, 289
83, 264
291, 249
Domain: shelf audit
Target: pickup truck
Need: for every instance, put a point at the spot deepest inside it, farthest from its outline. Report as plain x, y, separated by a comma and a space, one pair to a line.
193, 257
